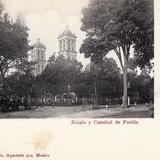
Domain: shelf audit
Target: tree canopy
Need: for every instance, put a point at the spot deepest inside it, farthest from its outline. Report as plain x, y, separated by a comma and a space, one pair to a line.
58, 74
13, 42
107, 78
118, 24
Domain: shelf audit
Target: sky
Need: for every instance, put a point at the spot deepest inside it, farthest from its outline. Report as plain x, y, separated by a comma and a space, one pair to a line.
46, 19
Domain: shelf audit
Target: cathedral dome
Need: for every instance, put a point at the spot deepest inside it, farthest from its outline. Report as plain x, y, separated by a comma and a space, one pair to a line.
38, 44
67, 32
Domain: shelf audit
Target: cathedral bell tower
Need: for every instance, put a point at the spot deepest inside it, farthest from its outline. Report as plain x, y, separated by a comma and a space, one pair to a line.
67, 44
38, 56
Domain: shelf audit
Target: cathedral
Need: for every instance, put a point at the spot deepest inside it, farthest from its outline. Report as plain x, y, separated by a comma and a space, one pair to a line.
67, 48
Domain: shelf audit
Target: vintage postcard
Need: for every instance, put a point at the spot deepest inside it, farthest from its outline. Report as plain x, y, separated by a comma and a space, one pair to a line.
79, 79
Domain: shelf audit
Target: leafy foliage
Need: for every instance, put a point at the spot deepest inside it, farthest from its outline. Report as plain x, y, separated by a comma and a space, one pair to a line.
13, 43
107, 78
22, 82
110, 24
59, 73
119, 25
142, 88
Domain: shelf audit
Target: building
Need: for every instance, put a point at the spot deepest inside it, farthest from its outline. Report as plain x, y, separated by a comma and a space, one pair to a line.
38, 56
67, 44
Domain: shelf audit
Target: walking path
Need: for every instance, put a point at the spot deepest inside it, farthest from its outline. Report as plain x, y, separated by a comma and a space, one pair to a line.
112, 112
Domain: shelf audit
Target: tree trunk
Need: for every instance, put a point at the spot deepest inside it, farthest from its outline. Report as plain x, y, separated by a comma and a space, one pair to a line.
3, 83
125, 83
96, 97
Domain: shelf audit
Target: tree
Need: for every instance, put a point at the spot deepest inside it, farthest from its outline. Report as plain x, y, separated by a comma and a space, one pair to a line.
99, 81
118, 25
142, 87
22, 81
58, 75
13, 44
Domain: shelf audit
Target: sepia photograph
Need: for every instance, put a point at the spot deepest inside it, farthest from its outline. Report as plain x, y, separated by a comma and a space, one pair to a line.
76, 59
